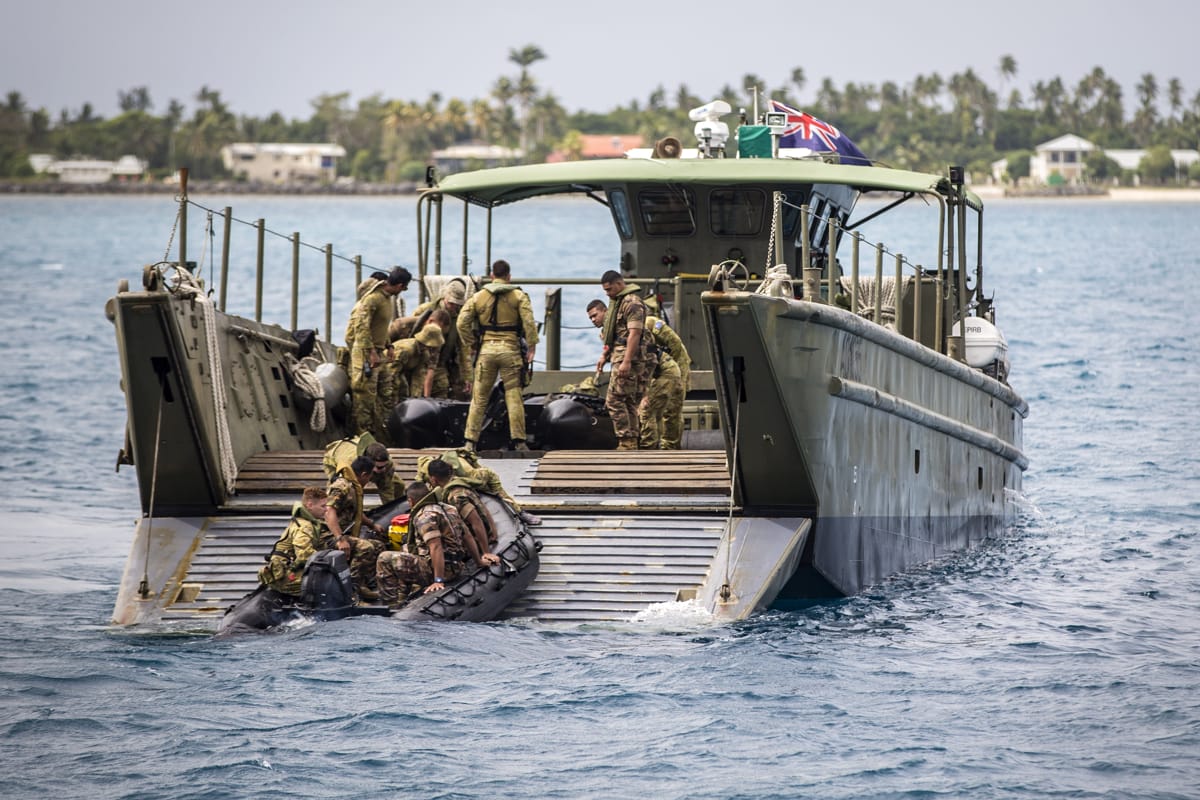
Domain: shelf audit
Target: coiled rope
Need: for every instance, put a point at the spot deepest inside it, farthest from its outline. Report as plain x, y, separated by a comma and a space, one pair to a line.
308, 382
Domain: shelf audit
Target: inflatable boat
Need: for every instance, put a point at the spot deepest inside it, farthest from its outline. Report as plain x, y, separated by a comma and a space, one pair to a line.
326, 593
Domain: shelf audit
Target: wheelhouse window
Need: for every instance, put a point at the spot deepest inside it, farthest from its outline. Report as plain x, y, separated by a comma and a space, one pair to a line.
667, 212
736, 212
622, 216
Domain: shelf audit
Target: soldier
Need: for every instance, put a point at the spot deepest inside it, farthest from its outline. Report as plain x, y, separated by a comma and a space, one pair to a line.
661, 413
354, 534
499, 315
480, 478
629, 351
367, 340
342, 453
451, 377
305, 534
433, 553
457, 492
413, 361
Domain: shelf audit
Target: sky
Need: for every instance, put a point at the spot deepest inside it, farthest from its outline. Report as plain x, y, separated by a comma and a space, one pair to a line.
269, 55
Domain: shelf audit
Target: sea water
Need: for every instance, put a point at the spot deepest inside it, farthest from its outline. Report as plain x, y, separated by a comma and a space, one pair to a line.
1062, 660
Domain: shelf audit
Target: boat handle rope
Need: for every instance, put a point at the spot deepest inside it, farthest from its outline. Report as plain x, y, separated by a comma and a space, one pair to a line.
144, 585
726, 590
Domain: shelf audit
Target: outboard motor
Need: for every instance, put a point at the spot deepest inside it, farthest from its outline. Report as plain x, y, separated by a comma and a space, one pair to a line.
575, 421
326, 589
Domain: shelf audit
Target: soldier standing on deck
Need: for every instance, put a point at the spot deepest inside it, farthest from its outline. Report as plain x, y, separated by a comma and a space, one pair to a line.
367, 339
661, 416
628, 349
451, 376
500, 316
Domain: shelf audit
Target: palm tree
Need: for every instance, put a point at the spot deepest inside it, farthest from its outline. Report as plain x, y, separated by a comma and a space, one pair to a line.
1007, 70
527, 89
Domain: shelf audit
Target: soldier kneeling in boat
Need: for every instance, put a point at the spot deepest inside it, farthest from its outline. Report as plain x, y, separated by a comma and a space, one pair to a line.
354, 533
457, 492
434, 551
305, 534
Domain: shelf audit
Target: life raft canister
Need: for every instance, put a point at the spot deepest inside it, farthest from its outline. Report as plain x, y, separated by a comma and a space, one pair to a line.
398, 531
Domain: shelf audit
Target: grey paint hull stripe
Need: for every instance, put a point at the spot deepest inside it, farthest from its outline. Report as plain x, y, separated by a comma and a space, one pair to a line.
869, 396
834, 317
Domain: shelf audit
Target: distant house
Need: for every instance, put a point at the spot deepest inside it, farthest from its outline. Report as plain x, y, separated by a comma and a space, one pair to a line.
1062, 157
282, 162
601, 145
458, 157
88, 170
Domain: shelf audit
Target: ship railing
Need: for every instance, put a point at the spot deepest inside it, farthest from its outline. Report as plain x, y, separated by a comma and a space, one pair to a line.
823, 283
297, 245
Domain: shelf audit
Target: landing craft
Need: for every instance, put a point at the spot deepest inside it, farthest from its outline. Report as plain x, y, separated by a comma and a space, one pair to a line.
856, 433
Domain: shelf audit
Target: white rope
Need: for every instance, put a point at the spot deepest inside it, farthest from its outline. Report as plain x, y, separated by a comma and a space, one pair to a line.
777, 282
308, 382
190, 286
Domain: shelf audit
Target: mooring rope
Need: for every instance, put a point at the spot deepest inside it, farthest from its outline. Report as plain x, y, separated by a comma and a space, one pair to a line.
305, 378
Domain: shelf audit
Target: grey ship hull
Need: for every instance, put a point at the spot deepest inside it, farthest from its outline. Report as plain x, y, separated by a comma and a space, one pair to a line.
898, 454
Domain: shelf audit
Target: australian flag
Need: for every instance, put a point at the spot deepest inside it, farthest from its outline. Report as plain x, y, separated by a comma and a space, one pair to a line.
805, 130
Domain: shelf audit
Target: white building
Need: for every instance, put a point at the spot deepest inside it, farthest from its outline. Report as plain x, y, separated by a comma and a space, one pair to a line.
1063, 157
282, 163
88, 170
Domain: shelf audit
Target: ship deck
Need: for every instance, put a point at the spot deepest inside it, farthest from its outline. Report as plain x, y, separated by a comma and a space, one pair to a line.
621, 530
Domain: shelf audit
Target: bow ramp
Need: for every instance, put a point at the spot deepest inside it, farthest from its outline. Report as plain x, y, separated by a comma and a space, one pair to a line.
621, 532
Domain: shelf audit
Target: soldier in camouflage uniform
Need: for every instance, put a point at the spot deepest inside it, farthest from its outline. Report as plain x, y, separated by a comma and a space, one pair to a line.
412, 362
661, 412
457, 492
368, 343
628, 349
466, 466
340, 454
501, 314
451, 376
361, 540
433, 553
305, 534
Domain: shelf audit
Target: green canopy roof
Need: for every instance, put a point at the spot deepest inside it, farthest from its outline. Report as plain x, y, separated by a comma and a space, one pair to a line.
500, 185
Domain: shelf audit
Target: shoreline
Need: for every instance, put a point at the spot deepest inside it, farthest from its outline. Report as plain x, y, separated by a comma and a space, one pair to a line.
987, 192
1119, 194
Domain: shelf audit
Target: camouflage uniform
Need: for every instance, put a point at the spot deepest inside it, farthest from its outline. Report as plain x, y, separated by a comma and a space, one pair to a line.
304, 535
366, 332
452, 371
410, 361
661, 416
501, 311
468, 469
460, 494
401, 572
346, 499
665, 394
339, 455
627, 313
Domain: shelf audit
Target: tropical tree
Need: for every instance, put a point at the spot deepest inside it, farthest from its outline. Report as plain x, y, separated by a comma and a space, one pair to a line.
526, 87
1158, 165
